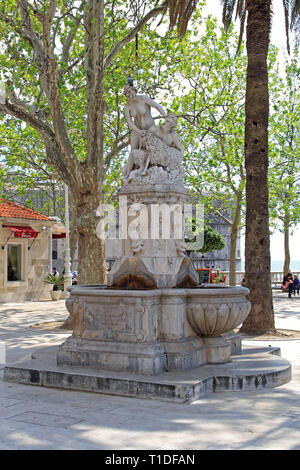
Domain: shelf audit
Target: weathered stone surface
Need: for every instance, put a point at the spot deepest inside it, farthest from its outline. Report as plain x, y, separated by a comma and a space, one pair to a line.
253, 370
212, 312
146, 331
133, 273
140, 358
156, 151
234, 341
153, 255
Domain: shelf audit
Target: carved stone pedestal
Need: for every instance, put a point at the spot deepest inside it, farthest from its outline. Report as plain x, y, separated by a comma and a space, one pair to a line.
149, 331
151, 219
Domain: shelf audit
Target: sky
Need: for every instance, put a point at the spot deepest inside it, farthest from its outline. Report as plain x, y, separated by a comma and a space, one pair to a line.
214, 8
277, 245
278, 38
277, 250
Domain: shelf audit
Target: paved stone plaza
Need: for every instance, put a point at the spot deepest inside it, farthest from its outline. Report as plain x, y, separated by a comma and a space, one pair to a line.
41, 418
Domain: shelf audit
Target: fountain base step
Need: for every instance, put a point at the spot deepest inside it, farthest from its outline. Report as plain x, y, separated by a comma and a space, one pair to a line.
251, 370
145, 358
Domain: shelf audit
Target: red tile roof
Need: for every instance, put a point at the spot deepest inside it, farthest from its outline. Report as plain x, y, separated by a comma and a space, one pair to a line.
15, 211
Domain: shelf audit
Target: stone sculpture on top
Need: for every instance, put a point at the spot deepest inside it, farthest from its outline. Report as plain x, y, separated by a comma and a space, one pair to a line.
156, 151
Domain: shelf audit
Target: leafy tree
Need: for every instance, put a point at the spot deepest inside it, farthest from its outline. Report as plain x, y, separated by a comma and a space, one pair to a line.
213, 240
28, 179
211, 102
285, 153
64, 64
257, 241
257, 14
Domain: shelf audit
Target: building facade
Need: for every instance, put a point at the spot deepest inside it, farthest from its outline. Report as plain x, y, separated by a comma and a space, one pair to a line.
25, 247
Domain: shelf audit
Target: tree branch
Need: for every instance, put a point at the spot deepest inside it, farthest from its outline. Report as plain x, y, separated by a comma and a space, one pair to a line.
24, 115
228, 221
116, 150
68, 42
120, 44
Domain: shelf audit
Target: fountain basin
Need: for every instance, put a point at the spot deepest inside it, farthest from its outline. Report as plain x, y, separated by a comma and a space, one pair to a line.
215, 310
152, 331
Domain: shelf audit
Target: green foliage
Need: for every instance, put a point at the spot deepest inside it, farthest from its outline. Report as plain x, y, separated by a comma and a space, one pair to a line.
21, 147
284, 147
213, 240
210, 95
25, 175
197, 77
57, 283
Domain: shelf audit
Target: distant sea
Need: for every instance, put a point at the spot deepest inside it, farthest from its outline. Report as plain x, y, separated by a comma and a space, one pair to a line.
277, 265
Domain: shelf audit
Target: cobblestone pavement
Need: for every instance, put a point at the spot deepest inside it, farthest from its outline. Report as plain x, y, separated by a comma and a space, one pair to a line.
40, 418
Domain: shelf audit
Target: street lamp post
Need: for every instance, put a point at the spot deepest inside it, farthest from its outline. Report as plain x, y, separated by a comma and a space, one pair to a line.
68, 274
50, 251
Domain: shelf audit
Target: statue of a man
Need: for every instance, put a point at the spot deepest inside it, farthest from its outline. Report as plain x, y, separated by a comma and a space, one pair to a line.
138, 114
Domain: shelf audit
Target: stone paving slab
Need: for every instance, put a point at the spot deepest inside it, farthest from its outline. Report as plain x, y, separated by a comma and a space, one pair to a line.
264, 419
219, 421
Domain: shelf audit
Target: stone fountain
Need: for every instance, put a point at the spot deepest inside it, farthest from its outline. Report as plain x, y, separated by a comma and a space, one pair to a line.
152, 331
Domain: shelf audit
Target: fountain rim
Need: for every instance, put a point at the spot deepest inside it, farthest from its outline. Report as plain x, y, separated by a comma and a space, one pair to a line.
104, 290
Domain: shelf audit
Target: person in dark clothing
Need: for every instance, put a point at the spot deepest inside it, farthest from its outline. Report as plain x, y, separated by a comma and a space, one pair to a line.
296, 285
285, 283
56, 275
290, 283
